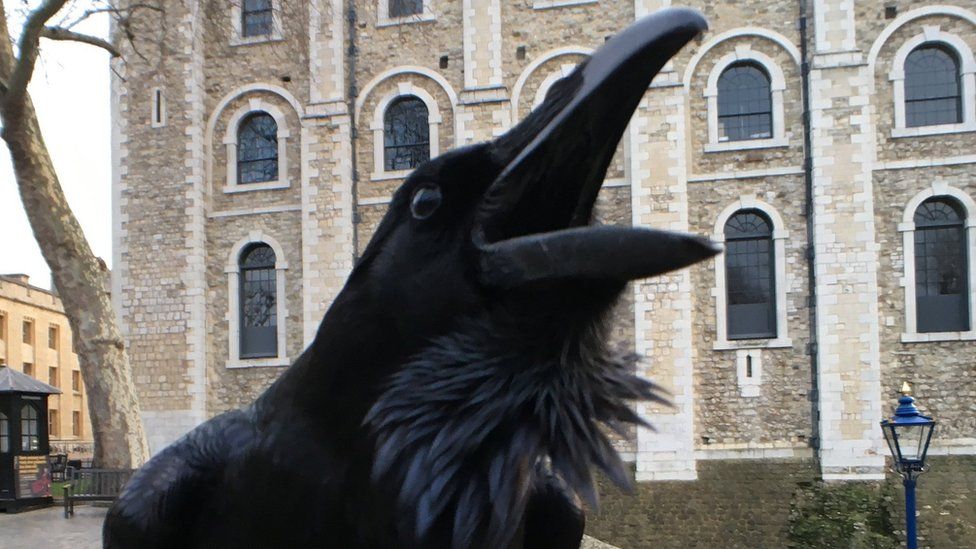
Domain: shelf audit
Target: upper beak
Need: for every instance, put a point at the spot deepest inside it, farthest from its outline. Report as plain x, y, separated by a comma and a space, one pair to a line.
555, 160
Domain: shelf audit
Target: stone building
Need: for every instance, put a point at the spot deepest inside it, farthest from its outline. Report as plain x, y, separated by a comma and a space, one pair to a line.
827, 143
35, 339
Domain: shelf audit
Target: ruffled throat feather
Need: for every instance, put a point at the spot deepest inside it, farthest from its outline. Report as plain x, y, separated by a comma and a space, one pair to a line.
460, 428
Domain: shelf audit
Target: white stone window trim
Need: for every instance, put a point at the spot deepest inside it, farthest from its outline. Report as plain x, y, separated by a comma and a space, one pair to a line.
256, 105
907, 281
233, 271
563, 71
434, 119
384, 19
237, 37
781, 282
538, 62
777, 85
549, 4
157, 114
932, 34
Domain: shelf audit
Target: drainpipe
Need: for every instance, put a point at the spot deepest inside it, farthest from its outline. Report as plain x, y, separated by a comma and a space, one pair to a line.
812, 348
352, 92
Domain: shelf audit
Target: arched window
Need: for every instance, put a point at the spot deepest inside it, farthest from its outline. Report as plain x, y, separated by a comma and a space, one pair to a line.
258, 300
750, 276
29, 429
745, 106
405, 8
256, 17
4, 433
406, 134
941, 271
933, 93
257, 149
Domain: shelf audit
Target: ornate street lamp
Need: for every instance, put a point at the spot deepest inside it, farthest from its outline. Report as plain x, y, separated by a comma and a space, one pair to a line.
908, 434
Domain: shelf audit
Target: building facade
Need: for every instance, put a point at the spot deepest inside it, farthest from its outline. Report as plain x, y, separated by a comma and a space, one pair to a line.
35, 339
828, 144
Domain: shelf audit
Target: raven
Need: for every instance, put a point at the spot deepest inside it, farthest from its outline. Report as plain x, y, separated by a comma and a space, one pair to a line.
458, 390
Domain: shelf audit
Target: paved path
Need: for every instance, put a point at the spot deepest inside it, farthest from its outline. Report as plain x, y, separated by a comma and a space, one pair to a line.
48, 529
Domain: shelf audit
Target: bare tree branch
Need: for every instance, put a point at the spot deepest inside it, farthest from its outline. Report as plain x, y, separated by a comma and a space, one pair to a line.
27, 51
117, 13
61, 33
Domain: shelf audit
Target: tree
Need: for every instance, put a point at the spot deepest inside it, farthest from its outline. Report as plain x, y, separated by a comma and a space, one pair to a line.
79, 276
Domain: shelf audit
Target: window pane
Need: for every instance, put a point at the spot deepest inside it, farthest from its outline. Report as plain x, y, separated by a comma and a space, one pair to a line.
403, 8
257, 149
4, 433
941, 267
750, 281
932, 89
258, 314
745, 106
29, 439
256, 17
406, 134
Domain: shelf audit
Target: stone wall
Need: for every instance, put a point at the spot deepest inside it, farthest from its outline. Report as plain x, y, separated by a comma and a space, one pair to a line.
748, 504
732, 504
481, 66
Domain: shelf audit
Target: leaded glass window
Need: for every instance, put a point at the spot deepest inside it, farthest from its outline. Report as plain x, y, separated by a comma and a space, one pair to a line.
932, 89
749, 276
406, 134
256, 17
257, 149
258, 287
29, 429
404, 8
4, 433
941, 267
745, 105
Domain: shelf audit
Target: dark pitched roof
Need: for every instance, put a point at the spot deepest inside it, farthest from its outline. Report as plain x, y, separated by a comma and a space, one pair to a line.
12, 381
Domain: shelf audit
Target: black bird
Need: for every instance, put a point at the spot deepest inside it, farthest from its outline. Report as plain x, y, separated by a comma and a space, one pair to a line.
457, 391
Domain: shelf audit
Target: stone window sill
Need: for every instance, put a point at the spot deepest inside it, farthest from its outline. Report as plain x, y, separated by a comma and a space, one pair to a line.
386, 176
747, 145
273, 362
549, 4
393, 21
938, 336
253, 40
248, 187
734, 345
941, 129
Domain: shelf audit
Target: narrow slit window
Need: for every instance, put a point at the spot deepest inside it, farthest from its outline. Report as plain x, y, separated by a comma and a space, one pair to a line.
158, 108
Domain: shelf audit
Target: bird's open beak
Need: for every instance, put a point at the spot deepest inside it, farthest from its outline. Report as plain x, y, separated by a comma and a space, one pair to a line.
533, 223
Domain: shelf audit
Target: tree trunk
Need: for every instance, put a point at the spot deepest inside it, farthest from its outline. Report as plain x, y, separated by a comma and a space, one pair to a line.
81, 280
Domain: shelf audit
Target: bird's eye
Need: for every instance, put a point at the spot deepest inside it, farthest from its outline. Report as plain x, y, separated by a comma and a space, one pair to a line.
425, 202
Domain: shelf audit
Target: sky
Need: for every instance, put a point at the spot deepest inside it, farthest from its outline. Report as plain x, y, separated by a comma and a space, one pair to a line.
70, 90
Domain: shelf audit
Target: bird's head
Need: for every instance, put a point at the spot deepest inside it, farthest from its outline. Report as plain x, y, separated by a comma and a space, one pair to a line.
496, 282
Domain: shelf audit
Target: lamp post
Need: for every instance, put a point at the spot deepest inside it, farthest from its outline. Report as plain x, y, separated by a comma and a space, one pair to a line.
908, 434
